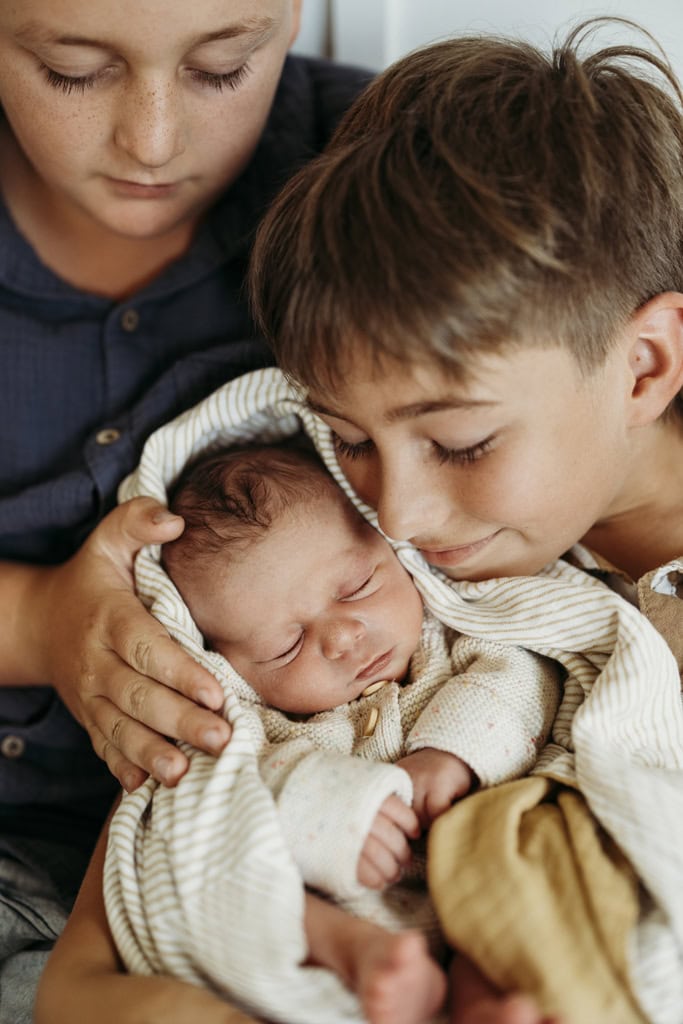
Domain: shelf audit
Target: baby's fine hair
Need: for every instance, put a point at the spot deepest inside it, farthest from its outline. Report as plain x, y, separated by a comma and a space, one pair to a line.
230, 497
480, 193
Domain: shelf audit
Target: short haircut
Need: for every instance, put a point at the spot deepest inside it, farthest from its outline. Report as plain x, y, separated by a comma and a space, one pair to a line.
480, 193
230, 497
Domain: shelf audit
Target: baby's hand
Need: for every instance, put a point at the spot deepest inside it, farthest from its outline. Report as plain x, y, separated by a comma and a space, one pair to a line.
438, 779
386, 851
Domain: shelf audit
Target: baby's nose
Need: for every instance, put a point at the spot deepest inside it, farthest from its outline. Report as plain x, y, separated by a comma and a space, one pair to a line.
341, 636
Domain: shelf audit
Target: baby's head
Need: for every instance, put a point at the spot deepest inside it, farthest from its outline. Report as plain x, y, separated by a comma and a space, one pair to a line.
286, 579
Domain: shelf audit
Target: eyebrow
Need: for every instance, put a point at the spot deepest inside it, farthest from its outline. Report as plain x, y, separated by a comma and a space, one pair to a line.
413, 410
34, 32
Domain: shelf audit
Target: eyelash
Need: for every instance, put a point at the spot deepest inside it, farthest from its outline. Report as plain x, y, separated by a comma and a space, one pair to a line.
359, 590
68, 84
296, 646
231, 79
445, 456
463, 456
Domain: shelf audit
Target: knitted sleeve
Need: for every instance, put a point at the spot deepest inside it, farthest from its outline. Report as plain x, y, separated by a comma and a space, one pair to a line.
327, 802
495, 712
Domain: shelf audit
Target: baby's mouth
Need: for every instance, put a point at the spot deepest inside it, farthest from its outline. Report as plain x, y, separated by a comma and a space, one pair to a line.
375, 667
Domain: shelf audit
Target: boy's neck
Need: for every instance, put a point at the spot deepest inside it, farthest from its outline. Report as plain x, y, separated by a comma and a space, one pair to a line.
645, 527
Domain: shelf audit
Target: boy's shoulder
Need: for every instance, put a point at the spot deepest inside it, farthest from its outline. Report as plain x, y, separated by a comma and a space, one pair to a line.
320, 89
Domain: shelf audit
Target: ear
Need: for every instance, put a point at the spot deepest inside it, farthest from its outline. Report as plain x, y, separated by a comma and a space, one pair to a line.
655, 357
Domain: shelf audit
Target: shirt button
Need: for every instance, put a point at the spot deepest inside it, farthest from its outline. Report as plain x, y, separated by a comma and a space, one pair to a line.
108, 435
12, 746
371, 722
130, 320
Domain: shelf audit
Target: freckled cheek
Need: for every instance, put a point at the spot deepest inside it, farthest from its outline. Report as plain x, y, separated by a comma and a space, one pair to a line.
51, 134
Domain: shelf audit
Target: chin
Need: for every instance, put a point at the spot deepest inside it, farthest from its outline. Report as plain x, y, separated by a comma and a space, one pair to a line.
500, 571
142, 226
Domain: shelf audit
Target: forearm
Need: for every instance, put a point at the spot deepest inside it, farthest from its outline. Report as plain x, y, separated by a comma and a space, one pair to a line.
20, 647
84, 980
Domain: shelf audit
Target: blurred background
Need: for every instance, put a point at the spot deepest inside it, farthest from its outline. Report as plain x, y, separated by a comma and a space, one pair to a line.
375, 32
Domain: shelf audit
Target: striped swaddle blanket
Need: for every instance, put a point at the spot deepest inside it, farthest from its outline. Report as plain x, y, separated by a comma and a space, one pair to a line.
199, 882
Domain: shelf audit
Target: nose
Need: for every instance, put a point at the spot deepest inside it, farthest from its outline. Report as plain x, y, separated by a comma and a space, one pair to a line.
149, 124
340, 636
412, 501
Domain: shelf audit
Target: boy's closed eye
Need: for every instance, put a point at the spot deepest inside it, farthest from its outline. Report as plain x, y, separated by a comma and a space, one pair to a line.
460, 456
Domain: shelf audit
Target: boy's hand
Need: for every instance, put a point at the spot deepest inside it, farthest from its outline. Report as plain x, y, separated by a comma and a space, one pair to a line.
115, 667
438, 779
386, 851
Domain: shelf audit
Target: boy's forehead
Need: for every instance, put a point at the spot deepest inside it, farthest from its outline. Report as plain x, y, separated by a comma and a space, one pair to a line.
43, 20
403, 389
391, 392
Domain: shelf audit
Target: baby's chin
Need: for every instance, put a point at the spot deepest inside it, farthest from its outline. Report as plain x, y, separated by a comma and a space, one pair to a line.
399, 677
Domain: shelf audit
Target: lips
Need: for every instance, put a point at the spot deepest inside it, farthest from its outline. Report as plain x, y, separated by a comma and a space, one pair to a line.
454, 556
141, 190
376, 666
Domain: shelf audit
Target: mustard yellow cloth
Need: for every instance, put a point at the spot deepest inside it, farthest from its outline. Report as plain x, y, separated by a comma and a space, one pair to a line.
528, 886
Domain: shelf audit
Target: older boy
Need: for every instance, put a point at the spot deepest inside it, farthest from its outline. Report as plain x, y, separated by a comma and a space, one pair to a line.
139, 145
481, 285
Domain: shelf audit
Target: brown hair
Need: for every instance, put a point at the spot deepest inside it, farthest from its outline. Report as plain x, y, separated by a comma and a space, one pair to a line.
231, 496
480, 193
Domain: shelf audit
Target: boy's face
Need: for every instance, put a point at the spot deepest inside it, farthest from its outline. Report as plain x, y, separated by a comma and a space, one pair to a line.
315, 611
497, 476
136, 114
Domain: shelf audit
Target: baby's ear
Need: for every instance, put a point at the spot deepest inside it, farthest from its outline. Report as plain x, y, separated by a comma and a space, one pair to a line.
656, 357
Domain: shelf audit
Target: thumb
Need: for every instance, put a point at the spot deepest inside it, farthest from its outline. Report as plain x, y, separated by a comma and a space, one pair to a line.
132, 525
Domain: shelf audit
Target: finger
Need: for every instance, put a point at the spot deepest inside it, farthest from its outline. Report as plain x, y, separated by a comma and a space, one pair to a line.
130, 526
129, 775
132, 752
380, 860
435, 805
402, 815
142, 642
392, 839
422, 815
146, 747
161, 709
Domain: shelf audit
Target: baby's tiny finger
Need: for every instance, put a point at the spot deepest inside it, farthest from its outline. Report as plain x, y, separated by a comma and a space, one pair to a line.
384, 859
403, 815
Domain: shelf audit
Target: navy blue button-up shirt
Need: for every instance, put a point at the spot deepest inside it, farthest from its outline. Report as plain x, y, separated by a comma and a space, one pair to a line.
85, 380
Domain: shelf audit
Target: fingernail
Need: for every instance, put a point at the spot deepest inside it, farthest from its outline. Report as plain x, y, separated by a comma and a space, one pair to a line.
208, 699
162, 515
130, 781
164, 770
214, 740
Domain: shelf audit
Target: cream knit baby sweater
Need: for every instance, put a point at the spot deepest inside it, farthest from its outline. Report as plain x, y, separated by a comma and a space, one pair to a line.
490, 704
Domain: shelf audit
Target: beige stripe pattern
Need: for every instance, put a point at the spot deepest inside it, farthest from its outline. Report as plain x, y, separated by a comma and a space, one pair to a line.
199, 882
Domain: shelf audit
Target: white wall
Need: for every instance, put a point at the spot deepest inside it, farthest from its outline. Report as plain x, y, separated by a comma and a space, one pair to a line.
375, 32
314, 35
